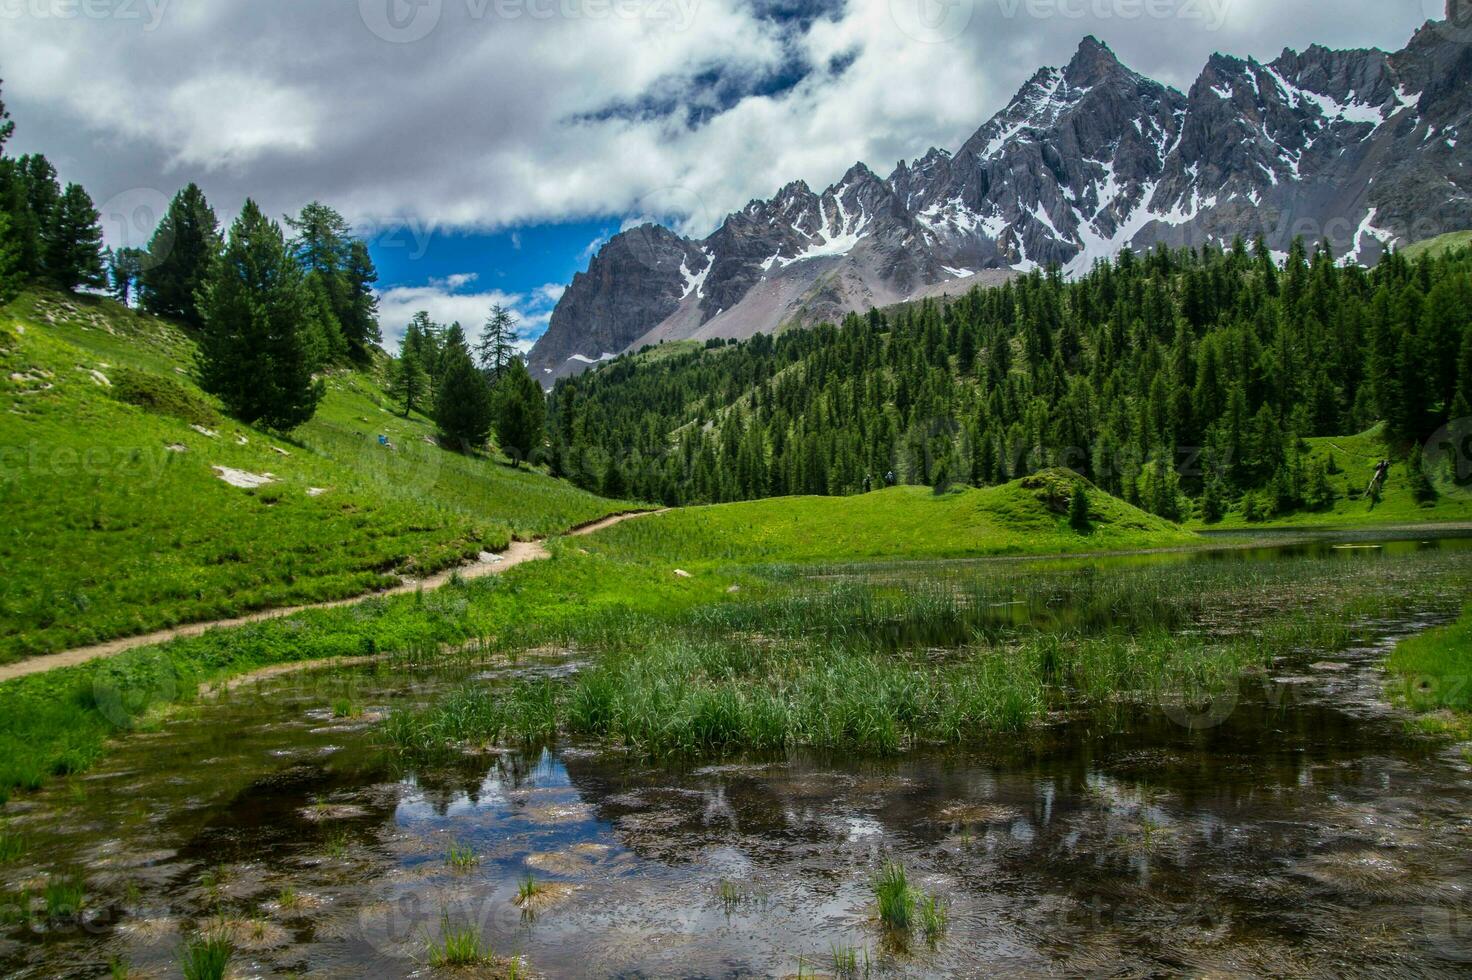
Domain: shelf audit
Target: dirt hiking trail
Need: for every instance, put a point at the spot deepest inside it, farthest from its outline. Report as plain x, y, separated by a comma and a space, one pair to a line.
517, 553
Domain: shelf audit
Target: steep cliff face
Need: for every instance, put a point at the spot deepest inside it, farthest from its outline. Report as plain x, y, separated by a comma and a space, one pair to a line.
1362, 148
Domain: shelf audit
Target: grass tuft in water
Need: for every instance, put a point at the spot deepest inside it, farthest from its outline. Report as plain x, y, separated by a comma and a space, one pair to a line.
528, 889
459, 946
12, 846
934, 918
460, 857
346, 708
893, 895
205, 958
851, 963
64, 898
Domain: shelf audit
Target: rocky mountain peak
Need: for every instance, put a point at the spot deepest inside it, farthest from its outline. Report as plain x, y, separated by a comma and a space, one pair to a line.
1359, 147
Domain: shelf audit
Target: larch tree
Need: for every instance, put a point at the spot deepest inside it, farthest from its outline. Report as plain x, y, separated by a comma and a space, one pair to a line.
179, 258
260, 344
74, 255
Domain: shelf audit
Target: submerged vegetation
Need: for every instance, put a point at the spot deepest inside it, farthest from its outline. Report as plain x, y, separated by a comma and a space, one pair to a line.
877, 667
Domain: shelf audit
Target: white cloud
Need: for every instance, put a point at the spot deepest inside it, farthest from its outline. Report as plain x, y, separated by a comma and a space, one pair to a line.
445, 302
491, 121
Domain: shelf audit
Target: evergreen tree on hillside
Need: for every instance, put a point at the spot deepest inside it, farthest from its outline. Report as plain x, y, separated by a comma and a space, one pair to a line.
521, 412
341, 271
260, 340
180, 256
1462, 403
74, 243
496, 347
9, 260
409, 382
1125, 375
462, 405
1078, 509
124, 269
31, 195
359, 318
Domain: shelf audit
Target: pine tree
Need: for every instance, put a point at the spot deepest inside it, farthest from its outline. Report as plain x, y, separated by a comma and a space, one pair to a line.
124, 266
1462, 404
497, 339
521, 411
410, 382
256, 350
462, 407
359, 320
9, 260
1419, 480
1078, 509
180, 256
74, 243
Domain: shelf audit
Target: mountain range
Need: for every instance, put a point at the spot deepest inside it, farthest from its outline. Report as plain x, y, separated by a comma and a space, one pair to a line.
1359, 147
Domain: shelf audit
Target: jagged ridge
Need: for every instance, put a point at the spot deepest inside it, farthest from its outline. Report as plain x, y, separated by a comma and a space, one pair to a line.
1359, 147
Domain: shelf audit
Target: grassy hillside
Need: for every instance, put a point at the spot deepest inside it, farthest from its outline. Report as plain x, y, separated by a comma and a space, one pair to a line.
1438, 245
118, 521
1355, 458
1028, 516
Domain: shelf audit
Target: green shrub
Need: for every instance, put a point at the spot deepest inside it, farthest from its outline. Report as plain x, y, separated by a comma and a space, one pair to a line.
161, 395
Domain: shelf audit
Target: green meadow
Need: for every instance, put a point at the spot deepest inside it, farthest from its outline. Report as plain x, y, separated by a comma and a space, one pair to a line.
117, 520
1028, 516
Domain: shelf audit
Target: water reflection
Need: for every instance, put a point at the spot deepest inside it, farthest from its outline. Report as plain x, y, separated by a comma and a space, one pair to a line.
1305, 834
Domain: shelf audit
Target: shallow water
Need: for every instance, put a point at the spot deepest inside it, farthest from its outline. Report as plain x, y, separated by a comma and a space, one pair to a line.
1294, 828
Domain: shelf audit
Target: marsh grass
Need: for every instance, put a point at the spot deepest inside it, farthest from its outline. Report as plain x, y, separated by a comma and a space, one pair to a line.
729, 895
851, 963
64, 898
460, 857
458, 946
893, 897
527, 890
879, 667
336, 844
346, 708
934, 918
205, 958
12, 846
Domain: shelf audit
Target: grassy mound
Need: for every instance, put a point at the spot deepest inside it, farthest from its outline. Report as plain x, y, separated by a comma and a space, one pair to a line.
1028, 516
119, 519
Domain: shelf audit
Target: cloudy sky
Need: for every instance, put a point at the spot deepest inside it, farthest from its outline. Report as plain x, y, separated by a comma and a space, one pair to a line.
486, 147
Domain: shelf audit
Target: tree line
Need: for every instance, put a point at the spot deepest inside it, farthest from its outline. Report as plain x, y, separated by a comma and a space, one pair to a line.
470, 390
1181, 380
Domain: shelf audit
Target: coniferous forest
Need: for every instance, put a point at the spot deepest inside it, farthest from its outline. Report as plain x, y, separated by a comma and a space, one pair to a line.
1180, 380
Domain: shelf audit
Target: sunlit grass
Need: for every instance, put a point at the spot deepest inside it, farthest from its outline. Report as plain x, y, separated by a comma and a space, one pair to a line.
459, 946
205, 958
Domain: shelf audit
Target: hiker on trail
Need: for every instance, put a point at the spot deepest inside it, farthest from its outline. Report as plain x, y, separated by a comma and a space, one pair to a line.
889, 478
868, 483
1377, 483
